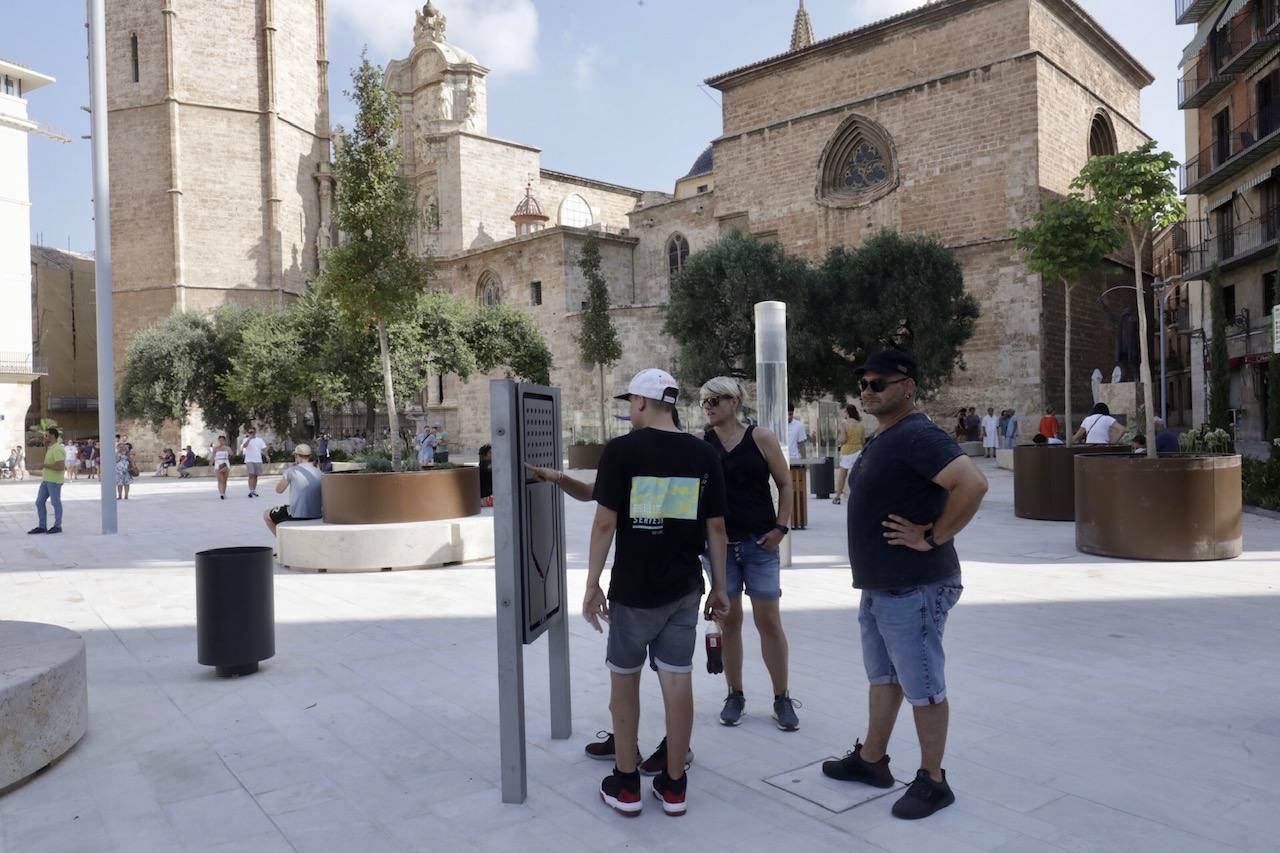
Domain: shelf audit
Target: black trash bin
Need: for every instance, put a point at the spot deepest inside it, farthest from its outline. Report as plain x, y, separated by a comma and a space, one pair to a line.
822, 478
235, 609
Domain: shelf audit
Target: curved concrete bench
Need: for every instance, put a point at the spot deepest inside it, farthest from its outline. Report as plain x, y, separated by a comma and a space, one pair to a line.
44, 700
319, 547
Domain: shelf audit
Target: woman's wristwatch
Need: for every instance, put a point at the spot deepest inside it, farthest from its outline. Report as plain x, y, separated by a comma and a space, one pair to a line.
785, 530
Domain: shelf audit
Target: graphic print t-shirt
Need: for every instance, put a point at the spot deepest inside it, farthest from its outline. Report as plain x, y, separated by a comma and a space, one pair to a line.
663, 486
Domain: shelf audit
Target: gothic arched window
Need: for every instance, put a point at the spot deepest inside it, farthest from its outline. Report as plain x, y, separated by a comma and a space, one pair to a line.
1102, 136
858, 165
489, 289
575, 212
677, 253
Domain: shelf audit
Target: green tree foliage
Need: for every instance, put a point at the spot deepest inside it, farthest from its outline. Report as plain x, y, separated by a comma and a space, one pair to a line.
184, 362
504, 337
893, 291
597, 339
1219, 364
712, 310
1135, 191
1068, 238
373, 276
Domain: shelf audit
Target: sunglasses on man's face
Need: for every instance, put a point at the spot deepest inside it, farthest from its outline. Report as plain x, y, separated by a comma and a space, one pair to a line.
878, 385
712, 402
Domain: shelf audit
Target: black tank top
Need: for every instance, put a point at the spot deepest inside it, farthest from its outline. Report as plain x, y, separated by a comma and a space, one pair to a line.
746, 482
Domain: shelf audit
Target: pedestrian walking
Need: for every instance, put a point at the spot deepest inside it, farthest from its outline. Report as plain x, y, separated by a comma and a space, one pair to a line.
1050, 426
92, 454
54, 475
72, 459
853, 435
990, 433
797, 435
253, 449
221, 456
913, 490
750, 457
660, 496
1099, 427
125, 470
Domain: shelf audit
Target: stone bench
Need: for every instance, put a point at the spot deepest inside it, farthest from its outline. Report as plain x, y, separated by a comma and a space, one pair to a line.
44, 704
314, 546
973, 448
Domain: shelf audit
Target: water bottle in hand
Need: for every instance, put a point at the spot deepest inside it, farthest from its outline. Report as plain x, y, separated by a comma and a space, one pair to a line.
715, 657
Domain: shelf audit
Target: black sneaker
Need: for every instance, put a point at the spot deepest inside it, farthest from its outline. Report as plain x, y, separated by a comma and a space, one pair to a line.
621, 792
37, 530
57, 528
734, 704
657, 763
784, 712
924, 797
671, 793
854, 768
604, 750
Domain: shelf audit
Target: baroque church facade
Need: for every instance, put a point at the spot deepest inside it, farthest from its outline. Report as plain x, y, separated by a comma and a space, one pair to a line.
954, 120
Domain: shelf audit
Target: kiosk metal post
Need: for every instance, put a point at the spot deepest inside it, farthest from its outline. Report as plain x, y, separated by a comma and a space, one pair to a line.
529, 564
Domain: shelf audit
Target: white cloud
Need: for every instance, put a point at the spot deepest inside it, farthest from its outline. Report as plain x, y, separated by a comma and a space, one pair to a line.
586, 67
501, 34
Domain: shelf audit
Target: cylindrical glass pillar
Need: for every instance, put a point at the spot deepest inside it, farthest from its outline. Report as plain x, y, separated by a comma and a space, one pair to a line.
771, 383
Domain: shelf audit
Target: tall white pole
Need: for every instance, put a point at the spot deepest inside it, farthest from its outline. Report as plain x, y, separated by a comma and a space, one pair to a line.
102, 261
771, 382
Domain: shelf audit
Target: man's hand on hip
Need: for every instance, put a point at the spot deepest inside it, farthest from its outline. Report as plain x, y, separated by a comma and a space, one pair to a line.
902, 532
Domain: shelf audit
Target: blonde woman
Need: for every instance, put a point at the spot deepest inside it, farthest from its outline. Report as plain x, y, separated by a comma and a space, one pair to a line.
750, 457
221, 458
852, 436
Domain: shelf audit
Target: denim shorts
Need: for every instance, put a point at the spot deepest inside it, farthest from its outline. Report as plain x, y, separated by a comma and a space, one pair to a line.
667, 634
752, 567
902, 637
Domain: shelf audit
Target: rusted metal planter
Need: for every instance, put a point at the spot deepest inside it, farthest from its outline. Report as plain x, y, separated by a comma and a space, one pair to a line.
1044, 478
1176, 508
364, 498
586, 456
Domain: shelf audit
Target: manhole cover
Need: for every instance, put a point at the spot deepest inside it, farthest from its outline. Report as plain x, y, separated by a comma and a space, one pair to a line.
808, 783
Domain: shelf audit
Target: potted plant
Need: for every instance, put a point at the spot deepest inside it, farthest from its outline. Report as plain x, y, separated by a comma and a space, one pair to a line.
1176, 507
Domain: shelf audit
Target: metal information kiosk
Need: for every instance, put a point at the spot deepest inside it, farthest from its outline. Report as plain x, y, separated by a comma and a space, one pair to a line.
529, 564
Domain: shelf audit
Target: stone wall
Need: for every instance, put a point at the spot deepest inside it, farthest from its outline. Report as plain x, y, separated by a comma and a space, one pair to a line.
693, 218
66, 336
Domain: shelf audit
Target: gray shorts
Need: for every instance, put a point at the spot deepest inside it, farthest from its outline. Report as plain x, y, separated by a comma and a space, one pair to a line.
253, 469
902, 637
667, 634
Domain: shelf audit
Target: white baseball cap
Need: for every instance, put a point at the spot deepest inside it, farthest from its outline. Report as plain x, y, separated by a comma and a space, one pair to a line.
654, 384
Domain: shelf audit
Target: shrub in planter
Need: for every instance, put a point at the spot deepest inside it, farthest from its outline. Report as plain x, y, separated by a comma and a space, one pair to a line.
1262, 483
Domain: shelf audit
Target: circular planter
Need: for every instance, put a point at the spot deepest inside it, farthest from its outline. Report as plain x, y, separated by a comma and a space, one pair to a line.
585, 455
365, 498
1044, 478
1177, 507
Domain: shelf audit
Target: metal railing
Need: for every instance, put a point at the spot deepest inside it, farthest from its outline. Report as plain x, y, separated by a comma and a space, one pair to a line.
1243, 240
72, 404
1244, 136
21, 362
1197, 8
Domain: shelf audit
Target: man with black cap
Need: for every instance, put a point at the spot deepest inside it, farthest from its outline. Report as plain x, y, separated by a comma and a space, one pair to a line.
911, 491
660, 491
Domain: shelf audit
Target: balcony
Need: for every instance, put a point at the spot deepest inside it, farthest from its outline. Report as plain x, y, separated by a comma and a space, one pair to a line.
1200, 84
1243, 243
73, 404
23, 364
1192, 11
1248, 37
1229, 155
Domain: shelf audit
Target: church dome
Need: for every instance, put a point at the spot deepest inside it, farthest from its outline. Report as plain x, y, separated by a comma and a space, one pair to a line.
703, 165
529, 206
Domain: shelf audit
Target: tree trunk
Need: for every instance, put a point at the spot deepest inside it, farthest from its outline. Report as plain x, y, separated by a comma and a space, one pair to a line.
315, 420
388, 388
604, 432
371, 417
1144, 369
1066, 358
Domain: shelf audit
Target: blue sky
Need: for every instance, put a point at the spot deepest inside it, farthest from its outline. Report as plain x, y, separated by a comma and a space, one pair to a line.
609, 89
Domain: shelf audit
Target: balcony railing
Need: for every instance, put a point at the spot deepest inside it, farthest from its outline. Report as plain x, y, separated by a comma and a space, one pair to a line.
1228, 155
72, 404
1191, 11
1242, 243
1270, 14
1235, 47
1200, 84
21, 362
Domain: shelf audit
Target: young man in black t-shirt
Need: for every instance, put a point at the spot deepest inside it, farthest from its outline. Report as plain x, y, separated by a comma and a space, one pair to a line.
660, 493
910, 492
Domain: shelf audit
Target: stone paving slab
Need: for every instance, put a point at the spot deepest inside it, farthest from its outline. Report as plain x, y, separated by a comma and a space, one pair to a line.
1096, 704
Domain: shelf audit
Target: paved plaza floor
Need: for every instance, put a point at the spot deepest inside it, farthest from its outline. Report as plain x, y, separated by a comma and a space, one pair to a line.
1096, 704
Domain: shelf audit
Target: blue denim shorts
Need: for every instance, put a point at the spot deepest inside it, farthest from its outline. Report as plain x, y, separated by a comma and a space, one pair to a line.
752, 567
667, 634
902, 637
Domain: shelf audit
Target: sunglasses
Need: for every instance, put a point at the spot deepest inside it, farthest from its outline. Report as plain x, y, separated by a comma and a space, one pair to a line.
712, 402
878, 385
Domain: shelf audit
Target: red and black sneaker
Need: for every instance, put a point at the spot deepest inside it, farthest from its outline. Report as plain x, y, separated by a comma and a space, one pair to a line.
671, 792
657, 763
621, 792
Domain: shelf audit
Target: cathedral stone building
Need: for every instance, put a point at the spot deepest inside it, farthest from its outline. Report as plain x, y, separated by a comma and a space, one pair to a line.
954, 120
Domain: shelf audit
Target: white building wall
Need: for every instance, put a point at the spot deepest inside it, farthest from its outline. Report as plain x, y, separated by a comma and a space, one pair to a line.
15, 271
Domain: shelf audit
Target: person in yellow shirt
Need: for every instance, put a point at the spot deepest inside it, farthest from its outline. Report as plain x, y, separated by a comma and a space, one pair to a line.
852, 436
55, 472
